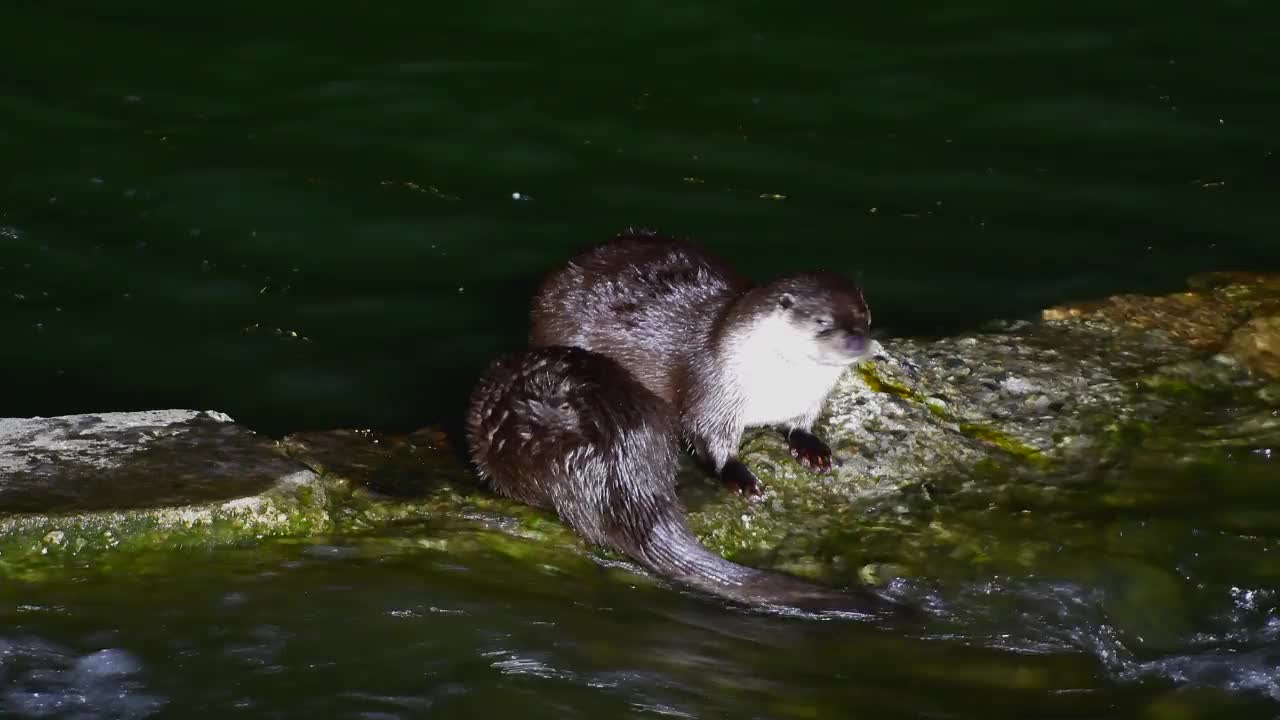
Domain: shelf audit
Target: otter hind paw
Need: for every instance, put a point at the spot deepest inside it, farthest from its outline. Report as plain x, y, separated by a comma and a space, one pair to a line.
738, 478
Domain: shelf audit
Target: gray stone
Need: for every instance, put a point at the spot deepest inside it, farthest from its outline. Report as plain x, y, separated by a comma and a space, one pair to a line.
166, 477
1052, 403
1019, 412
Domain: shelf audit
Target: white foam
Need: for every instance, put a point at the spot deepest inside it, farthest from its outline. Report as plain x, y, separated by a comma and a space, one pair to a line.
107, 663
44, 680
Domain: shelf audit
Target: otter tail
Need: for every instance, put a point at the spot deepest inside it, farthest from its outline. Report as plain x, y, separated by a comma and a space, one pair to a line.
672, 551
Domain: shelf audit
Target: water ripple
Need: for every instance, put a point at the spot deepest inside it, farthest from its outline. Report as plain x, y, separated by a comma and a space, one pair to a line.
42, 680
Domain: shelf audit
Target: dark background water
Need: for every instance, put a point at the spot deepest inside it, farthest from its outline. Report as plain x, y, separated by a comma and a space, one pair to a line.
186, 187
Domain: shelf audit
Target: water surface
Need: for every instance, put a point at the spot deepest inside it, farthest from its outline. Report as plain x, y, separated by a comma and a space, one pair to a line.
185, 191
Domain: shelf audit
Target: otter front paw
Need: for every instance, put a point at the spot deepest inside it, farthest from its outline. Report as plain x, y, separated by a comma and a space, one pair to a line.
809, 451
739, 479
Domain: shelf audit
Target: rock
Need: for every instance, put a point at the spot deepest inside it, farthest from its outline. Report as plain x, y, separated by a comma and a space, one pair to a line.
1203, 318
390, 465
377, 480
1015, 415
72, 487
1257, 345
1199, 319
1001, 417
78, 483
1234, 312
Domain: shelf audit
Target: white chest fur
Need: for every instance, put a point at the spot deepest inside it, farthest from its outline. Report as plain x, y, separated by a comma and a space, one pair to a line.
777, 373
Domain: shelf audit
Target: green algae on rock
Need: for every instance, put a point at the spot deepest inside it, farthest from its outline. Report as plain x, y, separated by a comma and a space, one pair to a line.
1002, 418
949, 453
74, 485
377, 480
135, 484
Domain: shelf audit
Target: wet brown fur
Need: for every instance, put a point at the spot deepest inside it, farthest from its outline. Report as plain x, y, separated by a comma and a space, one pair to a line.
572, 431
681, 321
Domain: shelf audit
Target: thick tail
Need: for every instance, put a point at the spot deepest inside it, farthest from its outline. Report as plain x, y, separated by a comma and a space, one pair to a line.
672, 551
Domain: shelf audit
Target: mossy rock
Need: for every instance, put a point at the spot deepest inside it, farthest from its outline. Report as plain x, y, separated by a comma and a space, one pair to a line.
74, 487
995, 419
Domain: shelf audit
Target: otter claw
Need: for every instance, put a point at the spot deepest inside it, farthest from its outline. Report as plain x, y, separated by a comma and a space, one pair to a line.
809, 451
739, 479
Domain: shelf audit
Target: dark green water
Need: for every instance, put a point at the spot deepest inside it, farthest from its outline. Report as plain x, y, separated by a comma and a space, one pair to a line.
186, 188
179, 183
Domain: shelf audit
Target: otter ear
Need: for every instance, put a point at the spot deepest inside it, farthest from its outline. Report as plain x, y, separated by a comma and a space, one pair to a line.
785, 301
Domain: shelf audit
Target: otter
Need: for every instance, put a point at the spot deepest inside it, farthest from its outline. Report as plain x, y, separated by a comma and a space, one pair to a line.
726, 354
572, 431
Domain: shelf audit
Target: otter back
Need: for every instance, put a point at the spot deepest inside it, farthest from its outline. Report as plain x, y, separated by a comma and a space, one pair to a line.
649, 302
571, 431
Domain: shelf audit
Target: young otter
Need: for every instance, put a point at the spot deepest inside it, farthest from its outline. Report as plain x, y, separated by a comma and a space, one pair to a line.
728, 355
572, 431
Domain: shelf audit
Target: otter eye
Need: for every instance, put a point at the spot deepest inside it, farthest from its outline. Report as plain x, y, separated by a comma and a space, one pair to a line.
822, 322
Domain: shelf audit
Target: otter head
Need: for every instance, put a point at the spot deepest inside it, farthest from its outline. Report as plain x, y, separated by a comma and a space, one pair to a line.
828, 309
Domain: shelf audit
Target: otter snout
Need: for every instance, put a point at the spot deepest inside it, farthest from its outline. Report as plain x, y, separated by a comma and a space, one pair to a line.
856, 344
841, 347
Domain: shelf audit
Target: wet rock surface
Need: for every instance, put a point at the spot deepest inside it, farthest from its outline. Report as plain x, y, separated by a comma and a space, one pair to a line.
1257, 345
119, 461
1020, 414
1209, 316
1097, 490
378, 481
404, 466
927, 435
74, 484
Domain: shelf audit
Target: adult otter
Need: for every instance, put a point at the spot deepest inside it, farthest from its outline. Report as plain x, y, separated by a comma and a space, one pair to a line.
727, 355
572, 431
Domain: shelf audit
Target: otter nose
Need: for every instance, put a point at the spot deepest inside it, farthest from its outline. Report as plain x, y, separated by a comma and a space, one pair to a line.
856, 344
